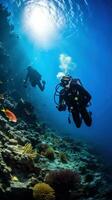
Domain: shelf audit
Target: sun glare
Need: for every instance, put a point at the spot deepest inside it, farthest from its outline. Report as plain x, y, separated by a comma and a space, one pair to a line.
42, 24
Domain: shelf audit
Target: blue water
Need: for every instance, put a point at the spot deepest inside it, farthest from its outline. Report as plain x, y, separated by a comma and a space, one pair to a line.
90, 46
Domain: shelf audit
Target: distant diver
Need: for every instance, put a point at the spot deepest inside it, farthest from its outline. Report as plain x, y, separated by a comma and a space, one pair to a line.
34, 77
74, 96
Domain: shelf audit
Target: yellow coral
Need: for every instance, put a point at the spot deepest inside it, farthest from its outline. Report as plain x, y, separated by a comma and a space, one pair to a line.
27, 150
43, 191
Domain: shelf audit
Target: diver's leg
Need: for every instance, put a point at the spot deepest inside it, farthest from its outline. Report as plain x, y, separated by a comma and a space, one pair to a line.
76, 118
41, 85
86, 116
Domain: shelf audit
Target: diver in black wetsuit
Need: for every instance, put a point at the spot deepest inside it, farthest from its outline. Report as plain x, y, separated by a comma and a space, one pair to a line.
74, 96
35, 78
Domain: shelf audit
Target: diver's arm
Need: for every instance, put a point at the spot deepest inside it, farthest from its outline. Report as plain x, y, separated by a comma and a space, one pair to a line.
61, 97
62, 104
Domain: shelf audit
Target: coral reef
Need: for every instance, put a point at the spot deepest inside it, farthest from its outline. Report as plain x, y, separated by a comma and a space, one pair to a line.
24, 162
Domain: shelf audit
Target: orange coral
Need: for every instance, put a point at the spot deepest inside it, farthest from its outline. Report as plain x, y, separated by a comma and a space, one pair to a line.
43, 191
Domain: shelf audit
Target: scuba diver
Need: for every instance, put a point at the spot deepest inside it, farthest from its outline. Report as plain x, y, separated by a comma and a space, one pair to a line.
74, 96
35, 78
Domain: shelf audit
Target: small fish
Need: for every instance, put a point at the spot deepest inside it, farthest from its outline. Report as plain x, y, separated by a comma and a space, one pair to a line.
10, 115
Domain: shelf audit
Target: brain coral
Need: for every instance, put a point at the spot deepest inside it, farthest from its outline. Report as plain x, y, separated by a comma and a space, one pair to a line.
42, 191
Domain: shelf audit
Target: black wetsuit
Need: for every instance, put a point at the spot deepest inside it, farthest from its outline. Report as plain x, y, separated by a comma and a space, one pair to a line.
35, 78
76, 98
